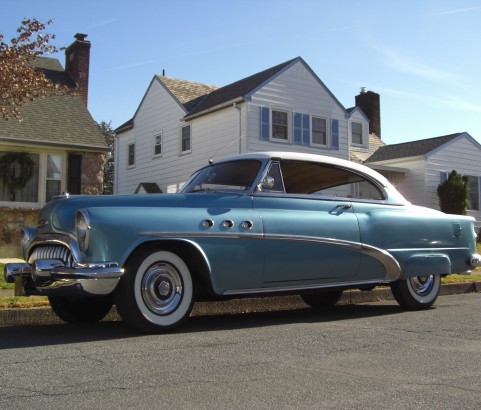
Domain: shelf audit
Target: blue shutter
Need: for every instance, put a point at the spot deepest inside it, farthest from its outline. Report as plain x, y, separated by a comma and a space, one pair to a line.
265, 113
443, 176
297, 120
335, 134
305, 130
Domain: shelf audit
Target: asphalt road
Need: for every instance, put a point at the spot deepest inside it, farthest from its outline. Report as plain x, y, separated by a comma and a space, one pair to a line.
365, 356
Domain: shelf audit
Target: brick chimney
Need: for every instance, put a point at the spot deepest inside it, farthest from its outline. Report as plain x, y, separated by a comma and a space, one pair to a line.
369, 103
77, 62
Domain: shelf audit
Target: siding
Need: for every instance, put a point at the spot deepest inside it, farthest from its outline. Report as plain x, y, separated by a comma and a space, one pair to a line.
296, 90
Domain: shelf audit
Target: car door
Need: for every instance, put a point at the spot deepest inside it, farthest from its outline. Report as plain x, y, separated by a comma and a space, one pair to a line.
311, 232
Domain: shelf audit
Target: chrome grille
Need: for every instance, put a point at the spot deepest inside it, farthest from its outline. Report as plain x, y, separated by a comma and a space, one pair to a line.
58, 252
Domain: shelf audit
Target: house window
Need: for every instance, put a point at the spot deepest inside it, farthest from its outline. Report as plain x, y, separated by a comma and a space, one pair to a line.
185, 142
54, 177
280, 125
157, 144
357, 133
319, 131
131, 155
20, 180
473, 193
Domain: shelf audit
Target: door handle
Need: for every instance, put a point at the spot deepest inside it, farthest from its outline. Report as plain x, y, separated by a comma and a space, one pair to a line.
339, 209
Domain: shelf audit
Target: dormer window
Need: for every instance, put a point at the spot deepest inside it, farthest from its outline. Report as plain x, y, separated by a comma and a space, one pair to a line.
356, 131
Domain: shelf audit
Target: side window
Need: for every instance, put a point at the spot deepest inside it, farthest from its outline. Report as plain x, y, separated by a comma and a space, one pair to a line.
280, 125
325, 180
157, 145
273, 180
54, 176
319, 131
185, 143
131, 155
357, 138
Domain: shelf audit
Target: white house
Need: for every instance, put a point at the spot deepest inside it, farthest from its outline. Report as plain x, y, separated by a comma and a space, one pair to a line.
427, 163
179, 125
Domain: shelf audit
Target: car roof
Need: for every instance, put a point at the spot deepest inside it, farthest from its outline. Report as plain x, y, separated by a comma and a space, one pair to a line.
297, 156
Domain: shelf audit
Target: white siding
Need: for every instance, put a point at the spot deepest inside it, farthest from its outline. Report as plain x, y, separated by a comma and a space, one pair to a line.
296, 90
461, 155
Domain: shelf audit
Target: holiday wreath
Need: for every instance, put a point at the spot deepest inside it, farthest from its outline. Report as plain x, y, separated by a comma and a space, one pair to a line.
9, 177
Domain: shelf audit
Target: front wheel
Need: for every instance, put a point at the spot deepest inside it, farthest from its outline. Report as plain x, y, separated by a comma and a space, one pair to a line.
156, 292
418, 292
81, 310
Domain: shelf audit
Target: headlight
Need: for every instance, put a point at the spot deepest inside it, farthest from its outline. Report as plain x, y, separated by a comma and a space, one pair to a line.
82, 226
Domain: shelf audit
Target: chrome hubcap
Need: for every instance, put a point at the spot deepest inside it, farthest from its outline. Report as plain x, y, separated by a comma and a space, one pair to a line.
161, 288
422, 285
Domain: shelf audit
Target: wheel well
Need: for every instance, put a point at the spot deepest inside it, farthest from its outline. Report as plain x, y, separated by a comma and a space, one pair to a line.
192, 257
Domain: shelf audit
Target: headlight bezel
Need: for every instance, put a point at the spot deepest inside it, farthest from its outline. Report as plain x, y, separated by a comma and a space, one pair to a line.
82, 229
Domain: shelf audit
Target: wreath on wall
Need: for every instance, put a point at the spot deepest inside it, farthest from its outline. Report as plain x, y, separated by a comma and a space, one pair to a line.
26, 170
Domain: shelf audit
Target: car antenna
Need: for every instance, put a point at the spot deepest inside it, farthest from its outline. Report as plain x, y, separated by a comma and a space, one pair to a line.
211, 159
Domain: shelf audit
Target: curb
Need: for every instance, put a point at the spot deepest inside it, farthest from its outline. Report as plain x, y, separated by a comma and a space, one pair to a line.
45, 316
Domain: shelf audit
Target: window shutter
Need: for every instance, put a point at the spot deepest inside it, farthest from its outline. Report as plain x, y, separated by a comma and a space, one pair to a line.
443, 176
335, 134
265, 112
297, 128
305, 130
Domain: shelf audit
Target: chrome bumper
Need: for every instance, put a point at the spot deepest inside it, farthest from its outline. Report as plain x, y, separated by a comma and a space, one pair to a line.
50, 277
475, 260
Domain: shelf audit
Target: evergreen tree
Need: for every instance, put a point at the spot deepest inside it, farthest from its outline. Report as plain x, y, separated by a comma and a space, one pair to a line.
453, 194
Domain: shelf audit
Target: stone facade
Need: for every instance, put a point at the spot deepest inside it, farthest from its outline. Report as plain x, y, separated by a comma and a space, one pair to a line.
12, 220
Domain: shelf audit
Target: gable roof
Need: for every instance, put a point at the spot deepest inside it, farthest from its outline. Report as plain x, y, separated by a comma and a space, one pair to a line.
56, 120
239, 88
198, 98
411, 149
186, 92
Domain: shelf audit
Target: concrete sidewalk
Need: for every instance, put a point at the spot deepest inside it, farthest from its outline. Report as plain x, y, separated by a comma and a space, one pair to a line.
45, 316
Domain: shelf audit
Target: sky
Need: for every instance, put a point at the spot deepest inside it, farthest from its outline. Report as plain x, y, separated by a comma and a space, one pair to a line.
422, 56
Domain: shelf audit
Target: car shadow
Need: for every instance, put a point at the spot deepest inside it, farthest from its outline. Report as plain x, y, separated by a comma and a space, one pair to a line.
54, 334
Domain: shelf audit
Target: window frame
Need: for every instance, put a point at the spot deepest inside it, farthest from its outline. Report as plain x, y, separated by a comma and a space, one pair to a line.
288, 125
155, 145
475, 180
363, 140
181, 140
326, 132
131, 156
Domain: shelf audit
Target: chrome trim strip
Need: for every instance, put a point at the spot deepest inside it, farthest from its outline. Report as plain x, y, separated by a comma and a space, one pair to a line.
299, 287
428, 249
391, 265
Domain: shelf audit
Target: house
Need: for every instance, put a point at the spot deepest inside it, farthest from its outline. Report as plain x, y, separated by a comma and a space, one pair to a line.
428, 162
57, 147
179, 125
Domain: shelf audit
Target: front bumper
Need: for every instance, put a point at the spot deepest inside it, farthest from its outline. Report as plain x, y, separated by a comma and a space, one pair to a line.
50, 277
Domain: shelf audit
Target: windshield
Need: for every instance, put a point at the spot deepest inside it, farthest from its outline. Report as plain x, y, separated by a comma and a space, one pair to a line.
232, 176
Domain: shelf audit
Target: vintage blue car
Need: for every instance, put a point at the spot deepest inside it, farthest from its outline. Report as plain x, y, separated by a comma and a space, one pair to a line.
253, 224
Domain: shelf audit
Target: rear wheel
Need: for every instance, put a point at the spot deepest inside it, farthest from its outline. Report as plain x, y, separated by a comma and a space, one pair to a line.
418, 292
322, 300
156, 292
81, 310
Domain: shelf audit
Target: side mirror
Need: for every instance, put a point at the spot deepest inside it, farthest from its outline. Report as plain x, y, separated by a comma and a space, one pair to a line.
268, 183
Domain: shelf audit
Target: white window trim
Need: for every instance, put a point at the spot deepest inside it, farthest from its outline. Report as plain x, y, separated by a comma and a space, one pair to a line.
180, 139
130, 166
365, 137
154, 139
42, 183
288, 111
328, 129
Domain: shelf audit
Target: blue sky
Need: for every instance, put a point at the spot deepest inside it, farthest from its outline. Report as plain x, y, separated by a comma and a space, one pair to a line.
422, 56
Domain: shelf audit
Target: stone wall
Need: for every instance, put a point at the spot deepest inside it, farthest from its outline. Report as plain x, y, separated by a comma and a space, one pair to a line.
12, 220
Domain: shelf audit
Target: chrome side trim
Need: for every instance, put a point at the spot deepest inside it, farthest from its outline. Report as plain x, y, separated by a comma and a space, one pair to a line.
391, 265
299, 288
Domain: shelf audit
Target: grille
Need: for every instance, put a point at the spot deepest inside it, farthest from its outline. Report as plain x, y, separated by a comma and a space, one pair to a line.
58, 252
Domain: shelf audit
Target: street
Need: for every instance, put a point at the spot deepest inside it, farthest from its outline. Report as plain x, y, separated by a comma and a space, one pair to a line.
365, 356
